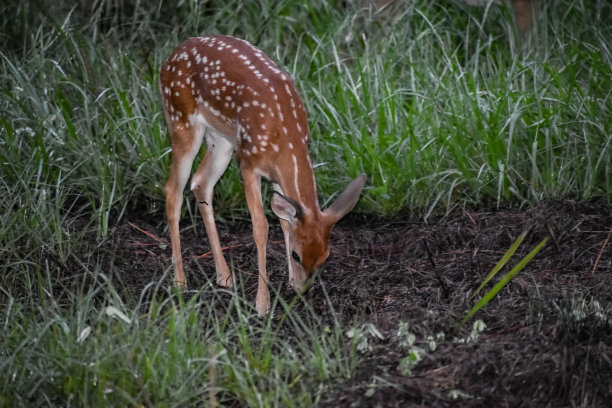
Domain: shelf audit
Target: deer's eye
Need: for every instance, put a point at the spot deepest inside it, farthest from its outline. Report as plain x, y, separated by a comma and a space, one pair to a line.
296, 257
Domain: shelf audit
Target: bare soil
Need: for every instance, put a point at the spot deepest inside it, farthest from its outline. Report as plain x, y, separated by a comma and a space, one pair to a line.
548, 336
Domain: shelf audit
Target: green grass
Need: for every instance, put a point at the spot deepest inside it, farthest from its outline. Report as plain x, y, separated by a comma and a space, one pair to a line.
93, 348
438, 103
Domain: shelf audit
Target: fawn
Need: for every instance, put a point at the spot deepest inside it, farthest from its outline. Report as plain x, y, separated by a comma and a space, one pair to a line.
226, 91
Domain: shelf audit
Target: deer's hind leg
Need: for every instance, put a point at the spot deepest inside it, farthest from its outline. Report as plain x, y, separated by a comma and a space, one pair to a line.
218, 155
186, 142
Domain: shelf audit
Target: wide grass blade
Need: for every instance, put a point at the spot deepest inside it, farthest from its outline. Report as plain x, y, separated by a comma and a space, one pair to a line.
501, 262
490, 294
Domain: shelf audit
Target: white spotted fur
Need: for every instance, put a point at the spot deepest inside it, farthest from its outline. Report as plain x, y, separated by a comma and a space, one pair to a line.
224, 90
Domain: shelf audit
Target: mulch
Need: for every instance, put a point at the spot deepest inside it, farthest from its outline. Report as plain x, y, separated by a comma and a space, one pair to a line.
548, 335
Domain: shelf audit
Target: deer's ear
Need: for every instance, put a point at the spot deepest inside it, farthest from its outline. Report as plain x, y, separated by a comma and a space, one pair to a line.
285, 208
347, 200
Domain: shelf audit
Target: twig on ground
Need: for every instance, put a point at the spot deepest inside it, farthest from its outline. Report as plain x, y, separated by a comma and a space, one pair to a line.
433, 265
209, 253
601, 251
149, 234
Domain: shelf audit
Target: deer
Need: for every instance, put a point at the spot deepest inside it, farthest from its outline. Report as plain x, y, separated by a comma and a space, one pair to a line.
228, 93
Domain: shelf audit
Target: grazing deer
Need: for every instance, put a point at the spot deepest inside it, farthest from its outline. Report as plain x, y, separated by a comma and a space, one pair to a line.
226, 91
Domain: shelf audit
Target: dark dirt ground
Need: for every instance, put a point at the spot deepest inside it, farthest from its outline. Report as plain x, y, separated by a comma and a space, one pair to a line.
548, 340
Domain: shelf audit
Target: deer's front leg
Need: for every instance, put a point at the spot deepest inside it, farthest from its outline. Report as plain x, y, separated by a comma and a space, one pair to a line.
252, 190
285, 228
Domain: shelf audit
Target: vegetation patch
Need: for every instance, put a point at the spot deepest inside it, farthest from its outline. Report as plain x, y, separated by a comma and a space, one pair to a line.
470, 136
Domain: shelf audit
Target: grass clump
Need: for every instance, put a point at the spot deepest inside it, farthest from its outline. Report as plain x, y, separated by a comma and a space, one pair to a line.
96, 348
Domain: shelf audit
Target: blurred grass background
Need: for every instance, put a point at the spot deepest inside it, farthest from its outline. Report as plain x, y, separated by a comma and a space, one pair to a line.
438, 102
